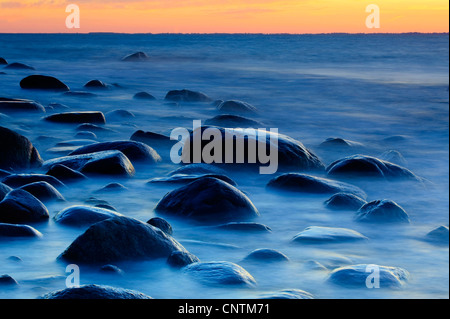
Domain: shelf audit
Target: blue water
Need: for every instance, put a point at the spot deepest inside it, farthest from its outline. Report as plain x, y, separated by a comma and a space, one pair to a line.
363, 88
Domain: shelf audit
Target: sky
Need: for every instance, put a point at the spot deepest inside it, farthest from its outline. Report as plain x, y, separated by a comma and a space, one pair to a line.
224, 16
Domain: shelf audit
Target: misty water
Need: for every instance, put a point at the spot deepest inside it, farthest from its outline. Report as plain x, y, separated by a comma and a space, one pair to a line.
387, 92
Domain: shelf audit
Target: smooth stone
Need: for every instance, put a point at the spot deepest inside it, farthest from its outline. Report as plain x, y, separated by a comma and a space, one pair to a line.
187, 96
20, 207
302, 183
19, 180
439, 235
143, 96
339, 143
233, 121
119, 115
233, 106
17, 152
77, 117
118, 239
19, 66
93, 291
134, 151
289, 294
152, 139
180, 259
207, 200
218, 273
355, 276
186, 179
23, 105
83, 215
7, 280
17, 230
3, 61
136, 57
43, 82
96, 84
112, 188
266, 254
43, 191
162, 224
344, 201
4, 189
319, 234
86, 135
382, 211
65, 174
245, 227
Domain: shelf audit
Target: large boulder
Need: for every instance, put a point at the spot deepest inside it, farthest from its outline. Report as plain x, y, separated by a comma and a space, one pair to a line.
93, 291
207, 200
382, 211
43, 191
83, 215
14, 105
118, 239
12, 230
266, 254
19, 206
43, 82
187, 96
17, 152
65, 174
319, 234
77, 117
234, 106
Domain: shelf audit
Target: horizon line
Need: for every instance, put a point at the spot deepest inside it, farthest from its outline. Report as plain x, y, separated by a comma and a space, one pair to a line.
231, 33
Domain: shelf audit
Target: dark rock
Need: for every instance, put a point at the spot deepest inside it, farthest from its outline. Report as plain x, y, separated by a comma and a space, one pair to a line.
112, 187
136, 57
234, 106
289, 294
162, 224
208, 200
179, 259
339, 144
77, 117
186, 179
245, 227
301, 183
159, 142
119, 115
7, 280
81, 94
19, 207
14, 105
143, 96
318, 234
86, 135
43, 191
83, 215
43, 82
120, 238
233, 121
17, 152
19, 66
355, 276
96, 84
112, 269
382, 211
187, 96
4, 189
95, 292
11, 230
438, 235
220, 273
344, 201
18, 180
266, 254
3, 61
65, 174
14, 258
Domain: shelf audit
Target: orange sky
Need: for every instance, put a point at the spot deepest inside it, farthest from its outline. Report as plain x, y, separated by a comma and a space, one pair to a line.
224, 16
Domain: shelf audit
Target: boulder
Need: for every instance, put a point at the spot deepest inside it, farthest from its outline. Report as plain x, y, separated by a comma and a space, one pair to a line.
179, 259
162, 224
152, 139
344, 201
43, 82
111, 269
23, 105
19, 207
65, 174
234, 106
187, 96
93, 291
12, 230
382, 211
17, 152
186, 179
143, 96
86, 135
18, 180
118, 239
233, 121
19, 66
136, 57
77, 117
337, 143
43, 191
96, 84
207, 200
266, 254
112, 188
439, 235
83, 215
7, 280
319, 234
119, 115
3, 61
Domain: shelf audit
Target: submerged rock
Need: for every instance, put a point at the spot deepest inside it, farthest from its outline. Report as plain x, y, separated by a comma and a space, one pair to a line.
233, 121
83, 215
144, 96
77, 117
119, 115
234, 106
43, 82
266, 254
3, 61
187, 96
439, 235
19, 207
152, 139
19, 180
339, 144
14, 105
319, 234
344, 201
207, 200
7, 280
136, 57
93, 291
162, 224
96, 84
245, 227
382, 211
179, 259
65, 174
289, 294
14, 230
19, 66
43, 191
112, 188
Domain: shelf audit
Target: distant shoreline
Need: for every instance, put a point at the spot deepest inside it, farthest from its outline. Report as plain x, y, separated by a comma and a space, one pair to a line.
218, 33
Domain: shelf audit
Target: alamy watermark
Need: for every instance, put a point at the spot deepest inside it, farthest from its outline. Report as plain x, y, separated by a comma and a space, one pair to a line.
73, 19
373, 19
73, 279
373, 279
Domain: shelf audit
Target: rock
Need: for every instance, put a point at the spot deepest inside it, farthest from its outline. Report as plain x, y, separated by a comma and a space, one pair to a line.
318, 234
143, 96
7, 280
382, 211
81, 94
12, 230
152, 139
179, 259
111, 188
220, 273
187, 96
96, 84
266, 254
86, 135
43, 82
245, 227
136, 57
393, 156
112, 269
4, 189
118, 239
233, 121
119, 115
355, 276
77, 117
94, 128
135, 151
19, 207
19, 66
93, 291
368, 166
186, 179
43, 191
83, 215
99, 163
162, 224
14, 105
17, 152
302, 183
344, 201
3, 61
289, 294
234, 106
339, 144
18, 180
65, 174
208, 200
438, 235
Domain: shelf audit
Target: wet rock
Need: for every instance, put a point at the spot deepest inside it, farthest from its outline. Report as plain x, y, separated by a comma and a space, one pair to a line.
208, 200
187, 96
12, 230
162, 224
368, 166
19, 66
111, 269
112, 188
143, 96
77, 117
18, 180
339, 144
120, 238
186, 179
289, 294
83, 215
220, 273
438, 235
318, 234
393, 156
355, 276
43, 191
179, 259
20, 207
382, 211
344, 201
233, 121
119, 115
4, 189
245, 227
152, 139
136, 57
86, 135
135, 151
96, 84
14, 105
3, 61
302, 183
234, 106
93, 291
266, 254
43, 82
7, 280
65, 174
17, 152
